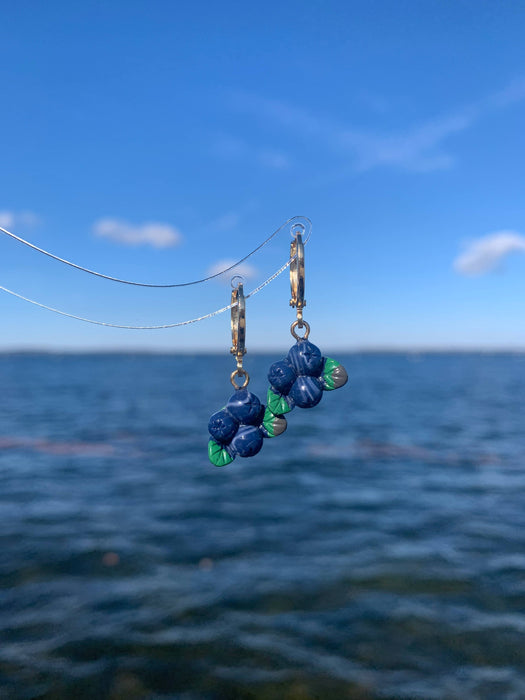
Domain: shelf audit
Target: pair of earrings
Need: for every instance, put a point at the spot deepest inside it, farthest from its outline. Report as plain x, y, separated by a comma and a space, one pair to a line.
240, 427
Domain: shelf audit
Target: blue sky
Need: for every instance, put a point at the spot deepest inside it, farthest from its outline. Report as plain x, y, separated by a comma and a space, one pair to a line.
156, 140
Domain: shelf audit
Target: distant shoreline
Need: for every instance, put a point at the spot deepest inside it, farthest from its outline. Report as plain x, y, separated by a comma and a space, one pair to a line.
256, 353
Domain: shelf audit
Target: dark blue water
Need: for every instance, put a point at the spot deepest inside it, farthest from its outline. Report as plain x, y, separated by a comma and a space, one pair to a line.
375, 550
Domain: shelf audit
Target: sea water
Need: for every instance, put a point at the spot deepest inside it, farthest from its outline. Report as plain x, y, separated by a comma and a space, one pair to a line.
375, 550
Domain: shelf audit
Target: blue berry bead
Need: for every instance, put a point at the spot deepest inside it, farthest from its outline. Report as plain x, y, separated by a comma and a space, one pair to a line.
245, 407
222, 426
306, 359
281, 376
247, 441
306, 392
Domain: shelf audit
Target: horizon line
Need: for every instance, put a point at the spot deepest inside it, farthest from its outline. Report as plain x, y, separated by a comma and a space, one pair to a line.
363, 350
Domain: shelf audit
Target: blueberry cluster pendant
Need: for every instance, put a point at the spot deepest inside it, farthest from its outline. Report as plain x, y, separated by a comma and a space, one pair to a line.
300, 379
238, 429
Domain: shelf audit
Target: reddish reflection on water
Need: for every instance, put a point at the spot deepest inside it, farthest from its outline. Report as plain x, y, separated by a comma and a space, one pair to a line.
73, 448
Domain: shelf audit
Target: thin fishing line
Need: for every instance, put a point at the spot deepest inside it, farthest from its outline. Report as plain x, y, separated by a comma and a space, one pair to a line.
147, 328
297, 219
112, 325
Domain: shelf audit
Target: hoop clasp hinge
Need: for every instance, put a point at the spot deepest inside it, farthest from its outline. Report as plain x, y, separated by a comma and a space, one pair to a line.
238, 325
297, 277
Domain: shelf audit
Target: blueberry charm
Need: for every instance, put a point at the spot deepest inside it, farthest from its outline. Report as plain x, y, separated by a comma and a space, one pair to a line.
238, 429
307, 375
302, 377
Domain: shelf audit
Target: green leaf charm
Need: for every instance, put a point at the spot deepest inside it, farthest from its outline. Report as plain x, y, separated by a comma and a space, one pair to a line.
334, 375
218, 455
277, 404
274, 425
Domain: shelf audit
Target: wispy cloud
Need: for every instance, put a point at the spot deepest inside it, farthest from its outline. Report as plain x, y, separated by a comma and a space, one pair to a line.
12, 219
274, 159
512, 93
228, 220
225, 222
154, 234
419, 148
233, 148
244, 270
484, 254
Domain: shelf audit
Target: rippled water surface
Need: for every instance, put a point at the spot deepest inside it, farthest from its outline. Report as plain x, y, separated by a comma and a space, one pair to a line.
375, 550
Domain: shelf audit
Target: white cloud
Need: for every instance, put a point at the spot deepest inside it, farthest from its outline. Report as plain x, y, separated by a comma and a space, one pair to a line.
419, 148
243, 269
154, 234
12, 219
484, 254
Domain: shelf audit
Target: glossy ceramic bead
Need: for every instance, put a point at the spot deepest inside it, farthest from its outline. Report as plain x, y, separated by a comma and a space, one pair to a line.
222, 426
245, 407
306, 359
306, 392
247, 441
282, 376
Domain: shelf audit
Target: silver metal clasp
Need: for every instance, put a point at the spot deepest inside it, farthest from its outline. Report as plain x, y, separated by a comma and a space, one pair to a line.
297, 281
238, 325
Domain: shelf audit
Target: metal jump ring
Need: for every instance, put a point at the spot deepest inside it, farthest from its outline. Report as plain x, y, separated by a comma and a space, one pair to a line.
300, 324
240, 373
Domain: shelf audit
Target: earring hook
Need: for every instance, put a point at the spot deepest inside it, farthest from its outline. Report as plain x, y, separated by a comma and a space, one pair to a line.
297, 277
238, 326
